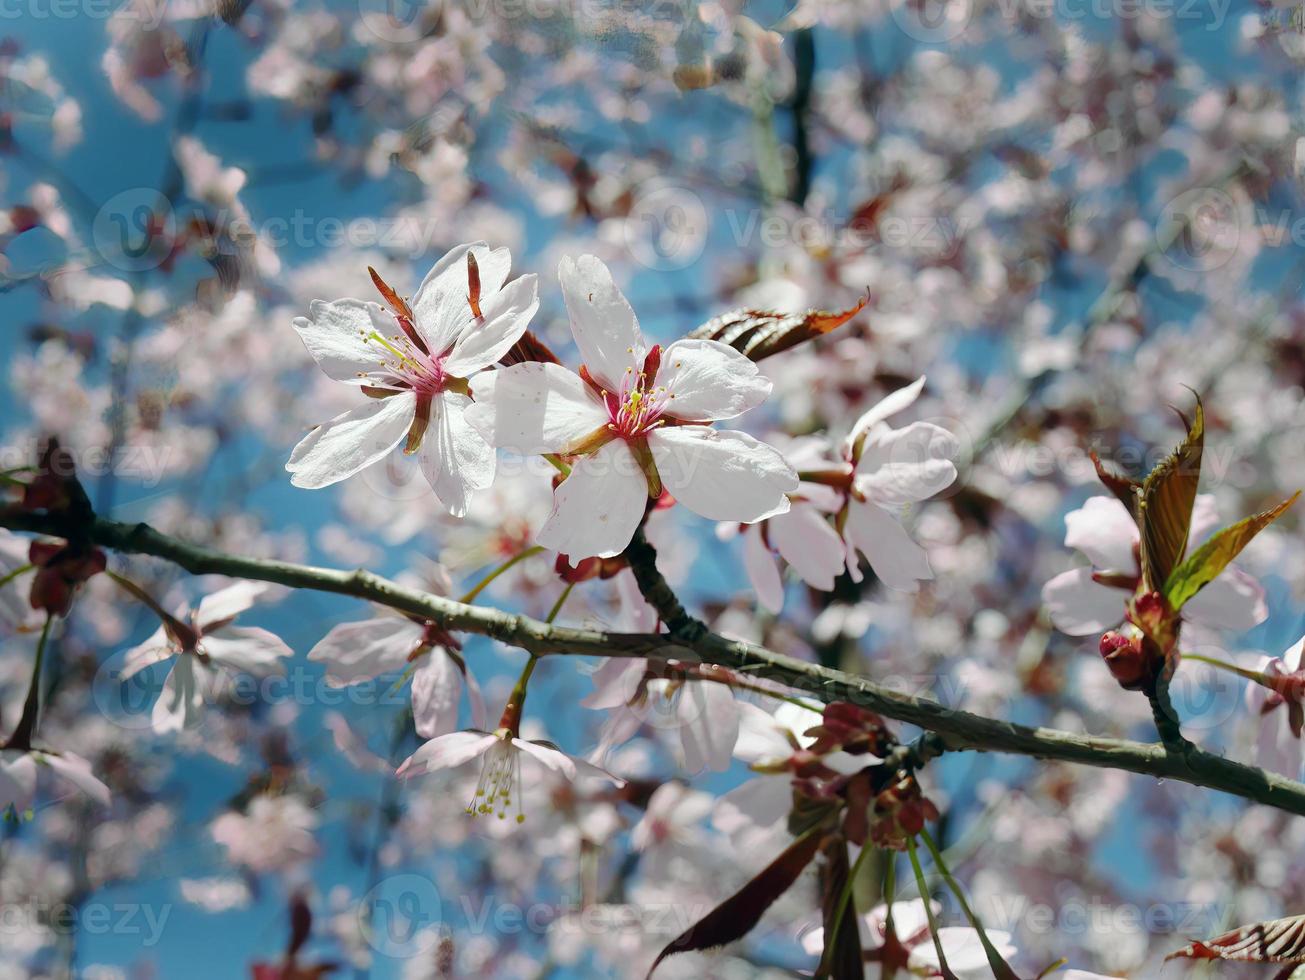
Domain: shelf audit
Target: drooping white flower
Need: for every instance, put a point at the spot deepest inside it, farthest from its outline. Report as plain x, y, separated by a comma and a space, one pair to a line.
1091, 598
356, 652
500, 751
202, 642
1278, 741
637, 419
19, 769
891, 469
413, 361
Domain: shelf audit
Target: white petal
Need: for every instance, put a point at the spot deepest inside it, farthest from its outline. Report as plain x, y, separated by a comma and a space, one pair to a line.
1104, 531
17, 780
761, 739
335, 334
896, 559
1205, 520
156, 649
446, 752
181, 703
903, 465
247, 649
534, 408
1080, 606
706, 381
709, 725
807, 542
1233, 601
568, 765
597, 507
722, 475
76, 770
436, 692
341, 447
455, 458
763, 570
440, 305
615, 682
604, 325
887, 407
355, 652
227, 604
504, 318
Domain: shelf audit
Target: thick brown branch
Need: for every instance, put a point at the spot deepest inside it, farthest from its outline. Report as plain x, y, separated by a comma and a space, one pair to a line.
957, 729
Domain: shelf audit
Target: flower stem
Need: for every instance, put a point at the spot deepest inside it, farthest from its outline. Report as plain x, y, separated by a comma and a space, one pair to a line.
1250, 675
178, 628
998, 965
923, 887
561, 600
480, 586
845, 897
21, 739
5, 580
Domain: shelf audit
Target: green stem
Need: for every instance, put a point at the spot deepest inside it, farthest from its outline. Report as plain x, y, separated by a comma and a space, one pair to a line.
480, 586
890, 890
557, 606
14, 574
845, 898
136, 592
561, 465
923, 888
1000, 968
1250, 675
21, 739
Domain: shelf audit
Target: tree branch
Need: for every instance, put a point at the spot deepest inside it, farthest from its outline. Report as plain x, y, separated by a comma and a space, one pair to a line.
957, 729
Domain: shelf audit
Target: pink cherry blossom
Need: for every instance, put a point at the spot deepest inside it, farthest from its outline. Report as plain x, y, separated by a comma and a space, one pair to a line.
1278, 738
19, 769
1091, 598
413, 364
638, 419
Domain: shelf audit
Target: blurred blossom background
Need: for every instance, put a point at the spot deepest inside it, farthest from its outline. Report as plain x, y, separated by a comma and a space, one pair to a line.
1065, 214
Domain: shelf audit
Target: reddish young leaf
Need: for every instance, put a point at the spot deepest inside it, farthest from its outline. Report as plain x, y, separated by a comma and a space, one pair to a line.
734, 918
1164, 512
758, 334
1275, 941
1124, 488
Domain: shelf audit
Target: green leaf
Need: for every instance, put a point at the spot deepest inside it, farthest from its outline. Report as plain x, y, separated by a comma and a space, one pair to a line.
1164, 509
1213, 557
734, 918
758, 334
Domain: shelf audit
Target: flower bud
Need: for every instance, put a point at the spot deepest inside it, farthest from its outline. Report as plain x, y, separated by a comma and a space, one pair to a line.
1126, 659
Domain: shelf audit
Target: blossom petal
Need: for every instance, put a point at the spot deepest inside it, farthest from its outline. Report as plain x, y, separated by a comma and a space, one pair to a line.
900, 466
722, 475
446, 752
1234, 600
77, 771
705, 381
886, 407
1079, 605
357, 438
807, 542
597, 507
247, 649
761, 739
156, 649
17, 779
1103, 530
355, 652
763, 570
335, 334
534, 408
455, 458
436, 692
558, 761
896, 559
440, 306
709, 725
181, 703
602, 322
226, 604
504, 318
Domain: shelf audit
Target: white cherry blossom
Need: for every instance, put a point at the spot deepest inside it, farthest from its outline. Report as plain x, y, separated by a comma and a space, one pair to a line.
637, 419
413, 360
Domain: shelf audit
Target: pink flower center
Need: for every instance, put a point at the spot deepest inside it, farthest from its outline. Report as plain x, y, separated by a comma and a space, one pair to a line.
640, 403
408, 365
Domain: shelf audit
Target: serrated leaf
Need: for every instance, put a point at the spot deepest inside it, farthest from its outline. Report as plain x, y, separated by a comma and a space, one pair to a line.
1207, 561
759, 334
1275, 941
1124, 488
1164, 509
735, 917
529, 348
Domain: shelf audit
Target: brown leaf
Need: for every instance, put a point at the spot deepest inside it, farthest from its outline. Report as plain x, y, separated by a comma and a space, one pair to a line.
734, 918
1276, 941
529, 348
1164, 511
1124, 488
842, 955
758, 334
